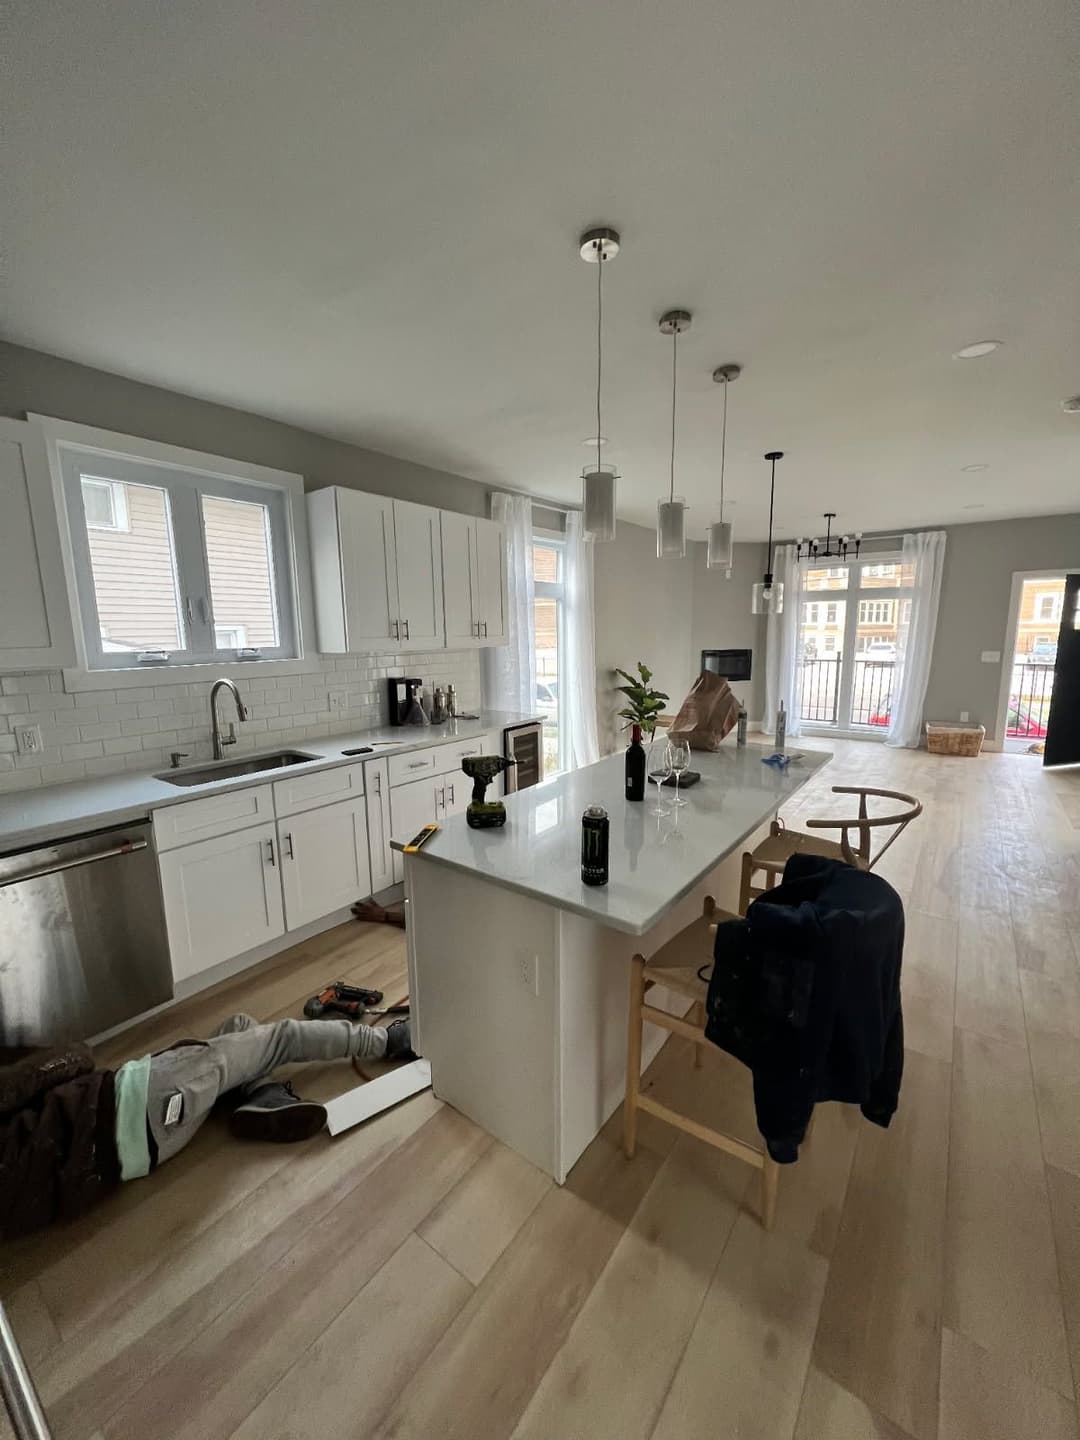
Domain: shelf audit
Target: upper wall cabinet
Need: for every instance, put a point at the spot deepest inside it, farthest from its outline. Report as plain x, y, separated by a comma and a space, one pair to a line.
474, 581
377, 567
35, 620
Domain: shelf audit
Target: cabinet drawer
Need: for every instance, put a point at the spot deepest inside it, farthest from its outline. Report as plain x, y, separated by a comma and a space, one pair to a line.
307, 792
449, 757
212, 815
412, 766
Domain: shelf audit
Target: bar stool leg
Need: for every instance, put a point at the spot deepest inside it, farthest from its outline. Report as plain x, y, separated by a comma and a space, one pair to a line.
633, 1055
770, 1181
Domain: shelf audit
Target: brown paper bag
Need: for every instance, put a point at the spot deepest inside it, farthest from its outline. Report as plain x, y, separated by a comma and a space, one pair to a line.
708, 713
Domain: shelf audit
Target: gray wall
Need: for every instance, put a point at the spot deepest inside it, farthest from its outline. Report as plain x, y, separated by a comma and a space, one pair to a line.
976, 586
30, 380
722, 618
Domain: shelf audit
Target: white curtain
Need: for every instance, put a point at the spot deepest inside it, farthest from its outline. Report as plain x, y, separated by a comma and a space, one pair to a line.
510, 670
782, 644
578, 673
925, 552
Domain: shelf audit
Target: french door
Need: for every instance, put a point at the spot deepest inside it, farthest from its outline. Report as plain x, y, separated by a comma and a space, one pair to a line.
851, 617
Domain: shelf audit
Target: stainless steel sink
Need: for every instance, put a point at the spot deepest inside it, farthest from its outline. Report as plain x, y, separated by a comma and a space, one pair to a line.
232, 769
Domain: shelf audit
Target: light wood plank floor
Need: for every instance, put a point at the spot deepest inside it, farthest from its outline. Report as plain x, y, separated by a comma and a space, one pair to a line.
413, 1279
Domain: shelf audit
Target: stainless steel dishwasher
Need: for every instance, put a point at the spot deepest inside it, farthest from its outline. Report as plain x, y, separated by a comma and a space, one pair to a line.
82, 936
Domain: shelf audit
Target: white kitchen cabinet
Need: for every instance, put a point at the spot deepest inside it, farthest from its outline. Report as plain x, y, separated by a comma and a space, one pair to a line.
377, 567
222, 898
474, 581
380, 856
412, 807
35, 614
324, 861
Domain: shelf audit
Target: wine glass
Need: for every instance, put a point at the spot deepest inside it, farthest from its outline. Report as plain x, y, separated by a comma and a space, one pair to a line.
659, 769
679, 753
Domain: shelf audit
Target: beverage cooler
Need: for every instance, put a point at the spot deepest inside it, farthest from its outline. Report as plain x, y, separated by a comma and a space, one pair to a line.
524, 744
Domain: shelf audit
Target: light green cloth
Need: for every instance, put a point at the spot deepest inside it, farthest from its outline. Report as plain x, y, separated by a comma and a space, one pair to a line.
131, 1082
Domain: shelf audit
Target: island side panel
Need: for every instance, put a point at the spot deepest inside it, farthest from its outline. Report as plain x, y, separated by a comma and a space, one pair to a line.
593, 981
482, 979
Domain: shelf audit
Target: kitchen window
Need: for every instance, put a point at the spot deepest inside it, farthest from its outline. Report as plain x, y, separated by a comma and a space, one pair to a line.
173, 565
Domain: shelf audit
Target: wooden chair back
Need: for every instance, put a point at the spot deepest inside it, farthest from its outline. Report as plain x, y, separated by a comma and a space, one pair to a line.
865, 824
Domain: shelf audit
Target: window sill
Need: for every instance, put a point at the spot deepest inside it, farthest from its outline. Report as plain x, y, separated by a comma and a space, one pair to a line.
134, 676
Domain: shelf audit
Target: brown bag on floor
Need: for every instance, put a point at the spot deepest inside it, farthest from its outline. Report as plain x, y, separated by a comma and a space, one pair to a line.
708, 713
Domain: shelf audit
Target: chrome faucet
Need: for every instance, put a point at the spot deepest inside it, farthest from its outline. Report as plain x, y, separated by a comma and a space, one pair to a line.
220, 741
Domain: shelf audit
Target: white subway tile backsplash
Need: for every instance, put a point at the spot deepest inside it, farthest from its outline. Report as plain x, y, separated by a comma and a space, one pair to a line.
103, 732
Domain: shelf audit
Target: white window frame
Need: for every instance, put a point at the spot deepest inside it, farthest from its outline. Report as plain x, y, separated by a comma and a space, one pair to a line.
555, 590
121, 522
74, 449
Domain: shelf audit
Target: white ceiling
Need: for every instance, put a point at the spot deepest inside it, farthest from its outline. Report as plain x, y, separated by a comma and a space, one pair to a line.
362, 218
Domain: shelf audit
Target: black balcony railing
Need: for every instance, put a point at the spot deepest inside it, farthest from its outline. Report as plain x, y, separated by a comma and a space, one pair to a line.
818, 691
1029, 701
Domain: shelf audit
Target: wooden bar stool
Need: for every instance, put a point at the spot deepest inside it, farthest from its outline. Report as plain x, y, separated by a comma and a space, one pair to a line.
777, 849
675, 966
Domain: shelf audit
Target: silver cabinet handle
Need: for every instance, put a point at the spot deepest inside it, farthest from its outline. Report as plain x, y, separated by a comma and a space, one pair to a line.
127, 847
270, 852
478, 629
395, 630
452, 800
485, 629
288, 841
469, 752
418, 764
378, 784
407, 635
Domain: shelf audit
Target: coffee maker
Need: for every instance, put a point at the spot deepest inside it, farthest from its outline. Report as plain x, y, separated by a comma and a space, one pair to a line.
402, 690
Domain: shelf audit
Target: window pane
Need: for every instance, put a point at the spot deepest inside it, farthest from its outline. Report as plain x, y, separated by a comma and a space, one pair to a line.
834, 578
546, 619
241, 563
875, 657
546, 562
821, 645
887, 577
133, 565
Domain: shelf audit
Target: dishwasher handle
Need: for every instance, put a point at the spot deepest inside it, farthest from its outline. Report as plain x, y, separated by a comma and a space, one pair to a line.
126, 847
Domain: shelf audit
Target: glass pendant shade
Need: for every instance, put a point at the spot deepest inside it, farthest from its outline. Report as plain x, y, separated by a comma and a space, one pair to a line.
598, 503
671, 529
720, 545
767, 597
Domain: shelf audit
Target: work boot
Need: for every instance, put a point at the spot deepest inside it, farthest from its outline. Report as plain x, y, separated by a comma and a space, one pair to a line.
274, 1111
399, 1041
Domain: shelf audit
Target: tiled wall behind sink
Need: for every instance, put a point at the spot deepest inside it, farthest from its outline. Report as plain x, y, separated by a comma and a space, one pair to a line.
105, 732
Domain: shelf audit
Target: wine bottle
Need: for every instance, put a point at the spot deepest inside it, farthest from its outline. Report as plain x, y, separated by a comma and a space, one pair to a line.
635, 766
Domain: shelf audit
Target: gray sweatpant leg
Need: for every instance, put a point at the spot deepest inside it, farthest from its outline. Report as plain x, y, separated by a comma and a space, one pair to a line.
203, 1070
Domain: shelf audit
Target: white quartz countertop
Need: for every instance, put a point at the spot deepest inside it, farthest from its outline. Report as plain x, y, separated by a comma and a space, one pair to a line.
31, 817
654, 861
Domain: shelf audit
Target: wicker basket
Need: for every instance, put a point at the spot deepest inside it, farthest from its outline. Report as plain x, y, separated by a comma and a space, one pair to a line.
943, 738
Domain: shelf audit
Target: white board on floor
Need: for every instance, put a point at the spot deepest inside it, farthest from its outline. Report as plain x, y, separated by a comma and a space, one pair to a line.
356, 1106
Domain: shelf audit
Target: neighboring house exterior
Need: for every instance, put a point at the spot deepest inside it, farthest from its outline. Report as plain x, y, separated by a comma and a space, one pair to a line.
130, 536
1040, 613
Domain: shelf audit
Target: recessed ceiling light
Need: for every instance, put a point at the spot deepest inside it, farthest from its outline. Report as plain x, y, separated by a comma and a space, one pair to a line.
973, 469
979, 348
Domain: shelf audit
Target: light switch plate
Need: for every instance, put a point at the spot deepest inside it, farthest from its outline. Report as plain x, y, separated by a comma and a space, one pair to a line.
991, 657
336, 700
965, 716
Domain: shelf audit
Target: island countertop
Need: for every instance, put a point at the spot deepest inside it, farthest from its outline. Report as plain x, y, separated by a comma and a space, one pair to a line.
654, 862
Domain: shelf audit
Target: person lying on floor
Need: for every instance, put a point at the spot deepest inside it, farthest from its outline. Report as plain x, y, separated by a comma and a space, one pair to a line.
70, 1133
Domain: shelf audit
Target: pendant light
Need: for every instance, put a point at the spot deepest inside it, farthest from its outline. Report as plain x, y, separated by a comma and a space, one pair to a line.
768, 595
671, 513
598, 247
719, 556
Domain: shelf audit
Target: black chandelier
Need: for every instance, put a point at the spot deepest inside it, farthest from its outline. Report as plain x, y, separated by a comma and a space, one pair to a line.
833, 547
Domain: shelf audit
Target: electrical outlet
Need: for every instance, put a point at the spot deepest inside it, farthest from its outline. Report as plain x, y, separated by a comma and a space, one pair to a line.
28, 740
337, 700
965, 716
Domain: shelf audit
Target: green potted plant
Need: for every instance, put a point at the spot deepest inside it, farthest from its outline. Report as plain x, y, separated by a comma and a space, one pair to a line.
643, 704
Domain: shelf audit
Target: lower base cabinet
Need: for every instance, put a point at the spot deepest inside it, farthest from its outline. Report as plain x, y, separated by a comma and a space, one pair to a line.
324, 861
413, 806
222, 897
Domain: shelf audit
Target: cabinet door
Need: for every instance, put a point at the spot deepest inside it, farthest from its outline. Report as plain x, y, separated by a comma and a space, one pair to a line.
411, 807
380, 856
456, 792
368, 570
35, 617
460, 598
491, 582
222, 898
324, 861
418, 554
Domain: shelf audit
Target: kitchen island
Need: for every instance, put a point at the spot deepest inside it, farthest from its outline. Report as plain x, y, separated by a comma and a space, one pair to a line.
519, 973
